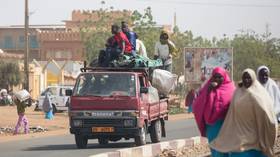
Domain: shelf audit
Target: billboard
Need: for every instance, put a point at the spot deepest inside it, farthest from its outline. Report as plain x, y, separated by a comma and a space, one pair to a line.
199, 62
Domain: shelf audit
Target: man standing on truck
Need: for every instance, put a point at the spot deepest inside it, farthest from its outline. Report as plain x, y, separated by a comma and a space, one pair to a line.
165, 50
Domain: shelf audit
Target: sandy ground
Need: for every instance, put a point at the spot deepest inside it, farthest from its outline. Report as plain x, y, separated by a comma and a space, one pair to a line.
57, 126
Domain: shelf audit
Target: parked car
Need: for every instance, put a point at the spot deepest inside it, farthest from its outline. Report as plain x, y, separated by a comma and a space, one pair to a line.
58, 98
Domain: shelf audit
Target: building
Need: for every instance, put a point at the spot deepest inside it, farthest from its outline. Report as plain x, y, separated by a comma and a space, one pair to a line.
78, 18
12, 39
61, 46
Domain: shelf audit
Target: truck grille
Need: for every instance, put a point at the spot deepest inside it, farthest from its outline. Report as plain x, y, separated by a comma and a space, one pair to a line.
103, 122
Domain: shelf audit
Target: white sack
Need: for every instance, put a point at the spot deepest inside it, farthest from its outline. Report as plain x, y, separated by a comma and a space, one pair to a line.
22, 95
163, 80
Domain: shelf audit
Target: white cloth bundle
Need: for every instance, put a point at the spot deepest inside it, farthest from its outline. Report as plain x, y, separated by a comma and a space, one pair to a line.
163, 80
22, 95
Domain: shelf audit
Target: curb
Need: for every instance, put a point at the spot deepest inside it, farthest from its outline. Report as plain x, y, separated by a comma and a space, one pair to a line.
152, 150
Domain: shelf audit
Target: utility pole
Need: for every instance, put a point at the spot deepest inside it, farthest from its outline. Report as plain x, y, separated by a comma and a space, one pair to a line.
26, 46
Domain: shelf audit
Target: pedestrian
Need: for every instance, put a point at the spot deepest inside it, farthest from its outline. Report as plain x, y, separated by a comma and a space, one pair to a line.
189, 100
22, 100
211, 105
270, 85
47, 106
250, 127
165, 50
131, 36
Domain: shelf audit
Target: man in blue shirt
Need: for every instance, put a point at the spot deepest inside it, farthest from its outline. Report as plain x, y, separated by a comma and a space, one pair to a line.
131, 36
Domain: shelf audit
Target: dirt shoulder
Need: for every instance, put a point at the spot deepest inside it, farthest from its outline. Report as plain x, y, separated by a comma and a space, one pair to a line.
57, 126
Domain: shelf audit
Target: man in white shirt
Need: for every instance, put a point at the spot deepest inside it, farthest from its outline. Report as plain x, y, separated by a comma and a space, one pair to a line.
140, 48
162, 51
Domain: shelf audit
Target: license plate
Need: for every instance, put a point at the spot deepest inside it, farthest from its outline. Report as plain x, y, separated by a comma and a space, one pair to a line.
102, 129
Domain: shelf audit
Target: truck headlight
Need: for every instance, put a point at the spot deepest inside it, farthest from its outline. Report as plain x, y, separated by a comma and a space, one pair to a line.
128, 123
76, 114
130, 114
77, 123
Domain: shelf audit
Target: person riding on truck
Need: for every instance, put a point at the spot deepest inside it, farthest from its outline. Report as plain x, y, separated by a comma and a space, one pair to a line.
165, 50
131, 36
121, 39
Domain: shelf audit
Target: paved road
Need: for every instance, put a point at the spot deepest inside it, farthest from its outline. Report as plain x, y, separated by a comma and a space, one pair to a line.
60, 146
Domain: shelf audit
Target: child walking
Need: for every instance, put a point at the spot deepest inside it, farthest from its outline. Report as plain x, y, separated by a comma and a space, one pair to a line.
22, 100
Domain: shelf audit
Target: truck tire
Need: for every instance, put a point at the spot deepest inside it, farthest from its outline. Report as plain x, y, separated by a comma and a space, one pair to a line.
103, 141
141, 138
81, 141
155, 131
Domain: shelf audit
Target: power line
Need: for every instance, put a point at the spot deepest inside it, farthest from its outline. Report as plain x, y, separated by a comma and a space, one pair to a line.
215, 4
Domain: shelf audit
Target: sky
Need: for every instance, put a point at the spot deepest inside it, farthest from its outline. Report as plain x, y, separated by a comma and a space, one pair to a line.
206, 18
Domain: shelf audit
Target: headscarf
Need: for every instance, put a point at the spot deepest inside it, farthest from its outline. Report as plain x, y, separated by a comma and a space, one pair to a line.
212, 106
272, 89
250, 122
47, 104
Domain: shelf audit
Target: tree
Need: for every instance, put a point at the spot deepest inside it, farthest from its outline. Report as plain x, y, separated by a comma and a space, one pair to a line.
10, 75
96, 30
146, 29
250, 49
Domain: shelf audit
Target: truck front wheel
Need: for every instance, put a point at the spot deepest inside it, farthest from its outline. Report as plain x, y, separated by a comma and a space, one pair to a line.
155, 131
81, 141
141, 138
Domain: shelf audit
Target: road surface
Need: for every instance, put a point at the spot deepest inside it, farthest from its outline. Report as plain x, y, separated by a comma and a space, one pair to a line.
60, 146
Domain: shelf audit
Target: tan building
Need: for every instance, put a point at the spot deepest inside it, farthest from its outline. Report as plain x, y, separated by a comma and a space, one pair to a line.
60, 46
78, 17
12, 39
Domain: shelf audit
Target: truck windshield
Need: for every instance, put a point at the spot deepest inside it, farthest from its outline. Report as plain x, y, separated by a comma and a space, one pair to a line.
98, 84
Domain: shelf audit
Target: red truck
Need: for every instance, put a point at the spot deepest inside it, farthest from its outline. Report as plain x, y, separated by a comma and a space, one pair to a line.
109, 104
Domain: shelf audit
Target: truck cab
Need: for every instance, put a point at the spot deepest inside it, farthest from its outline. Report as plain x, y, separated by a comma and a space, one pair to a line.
111, 104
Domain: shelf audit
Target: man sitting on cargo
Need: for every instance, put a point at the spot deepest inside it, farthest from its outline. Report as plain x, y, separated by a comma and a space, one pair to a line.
121, 39
116, 46
111, 52
131, 36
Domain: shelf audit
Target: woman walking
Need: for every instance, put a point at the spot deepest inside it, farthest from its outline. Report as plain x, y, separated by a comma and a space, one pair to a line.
250, 127
47, 106
211, 105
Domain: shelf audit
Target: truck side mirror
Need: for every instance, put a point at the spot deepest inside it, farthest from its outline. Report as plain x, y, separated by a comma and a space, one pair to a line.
68, 92
144, 90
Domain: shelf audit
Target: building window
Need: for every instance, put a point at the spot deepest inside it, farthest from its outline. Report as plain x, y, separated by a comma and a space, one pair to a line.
33, 43
21, 42
50, 54
8, 42
59, 55
63, 55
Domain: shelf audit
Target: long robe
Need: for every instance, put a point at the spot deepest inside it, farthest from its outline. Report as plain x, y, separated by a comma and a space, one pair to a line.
273, 90
209, 107
250, 123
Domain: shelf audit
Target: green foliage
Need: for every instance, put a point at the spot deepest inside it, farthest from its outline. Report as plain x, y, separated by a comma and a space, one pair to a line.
10, 74
94, 33
252, 50
146, 29
176, 110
